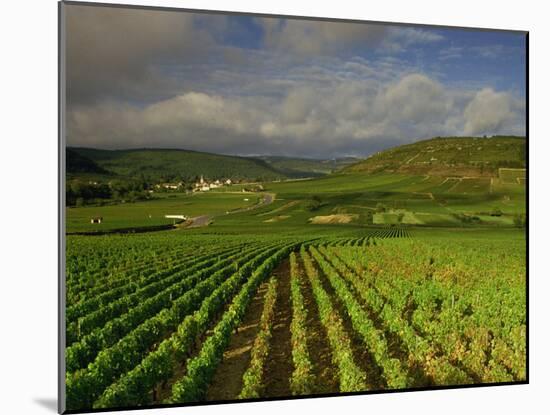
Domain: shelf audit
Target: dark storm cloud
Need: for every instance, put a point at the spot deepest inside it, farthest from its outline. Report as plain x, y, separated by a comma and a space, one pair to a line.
344, 117
118, 53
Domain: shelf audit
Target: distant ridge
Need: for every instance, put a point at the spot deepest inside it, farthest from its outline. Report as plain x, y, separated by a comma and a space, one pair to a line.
78, 163
448, 156
300, 166
172, 164
178, 164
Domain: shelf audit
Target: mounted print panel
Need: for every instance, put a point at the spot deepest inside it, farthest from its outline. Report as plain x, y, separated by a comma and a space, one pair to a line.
261, 207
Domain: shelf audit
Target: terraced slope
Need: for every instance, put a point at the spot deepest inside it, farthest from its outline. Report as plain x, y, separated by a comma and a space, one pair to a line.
448, 156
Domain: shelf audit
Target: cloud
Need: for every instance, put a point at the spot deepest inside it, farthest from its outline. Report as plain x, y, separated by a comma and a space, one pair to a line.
116, 52
193, 120
490, 51
312, 38
148, 78
416, 98
415, 36
491, 112
452, 52
340, 118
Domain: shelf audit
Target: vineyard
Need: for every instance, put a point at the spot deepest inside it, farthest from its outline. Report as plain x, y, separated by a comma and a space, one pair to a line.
165, 318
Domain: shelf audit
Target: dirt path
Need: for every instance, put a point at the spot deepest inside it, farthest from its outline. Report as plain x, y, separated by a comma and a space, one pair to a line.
204, 220
318, 346
279, 209
199, 221
279, 367
267, 200
458, 181
430, 195
227, 382
412, 158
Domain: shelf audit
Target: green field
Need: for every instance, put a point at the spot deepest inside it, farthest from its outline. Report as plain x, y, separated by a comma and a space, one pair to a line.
349, 282
423, 200
512, 175
152, 212
425, 307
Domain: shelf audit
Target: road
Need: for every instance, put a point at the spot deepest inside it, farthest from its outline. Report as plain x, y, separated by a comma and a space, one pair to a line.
204, 220
199, 221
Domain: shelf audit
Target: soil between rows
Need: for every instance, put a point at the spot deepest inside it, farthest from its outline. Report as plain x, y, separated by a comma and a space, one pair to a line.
317, 342
228, 379
279, 367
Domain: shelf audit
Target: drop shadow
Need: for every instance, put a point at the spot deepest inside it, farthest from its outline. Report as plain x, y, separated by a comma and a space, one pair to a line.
48, 403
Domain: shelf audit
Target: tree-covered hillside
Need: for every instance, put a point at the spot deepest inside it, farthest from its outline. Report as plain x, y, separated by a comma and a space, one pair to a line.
155, 165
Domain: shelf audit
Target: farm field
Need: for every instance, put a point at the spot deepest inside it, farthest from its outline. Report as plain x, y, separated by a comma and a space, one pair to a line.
170, 317
424, 200
350, 282
152, 212
421, 200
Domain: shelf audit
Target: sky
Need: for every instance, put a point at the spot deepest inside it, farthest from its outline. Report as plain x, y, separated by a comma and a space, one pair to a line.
248, 85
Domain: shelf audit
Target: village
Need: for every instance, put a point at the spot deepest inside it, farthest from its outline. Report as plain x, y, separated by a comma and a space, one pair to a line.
201, 185
204, 185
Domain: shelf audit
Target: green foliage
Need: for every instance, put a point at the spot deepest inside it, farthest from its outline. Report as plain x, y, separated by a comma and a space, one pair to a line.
455, 296
179, 345
352, 378
447, 156
158, 165
380, 207
253, 385
393, 372
520, 220
193, 386
133, 347
314, 203
77, 163
470, 219
155, 312
496, 212
369, 218
300, 167
79, 192
302, 381
455, 304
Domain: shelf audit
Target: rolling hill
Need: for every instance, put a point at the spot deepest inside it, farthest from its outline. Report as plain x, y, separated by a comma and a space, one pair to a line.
78, 163
305, 167
448, 156
441, 156
161, 164
168, 164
